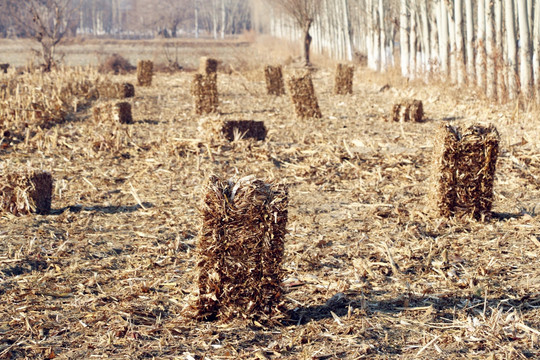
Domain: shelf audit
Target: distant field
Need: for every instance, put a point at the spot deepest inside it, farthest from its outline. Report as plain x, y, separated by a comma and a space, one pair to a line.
92, 52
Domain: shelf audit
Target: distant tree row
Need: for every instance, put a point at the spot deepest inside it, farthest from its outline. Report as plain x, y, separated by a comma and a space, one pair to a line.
133, 18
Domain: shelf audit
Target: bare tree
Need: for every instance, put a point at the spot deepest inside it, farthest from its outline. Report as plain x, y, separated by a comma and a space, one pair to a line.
47, 21
303, 13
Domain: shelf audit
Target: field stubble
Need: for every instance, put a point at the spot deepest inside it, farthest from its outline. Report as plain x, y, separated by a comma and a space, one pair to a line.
370, 272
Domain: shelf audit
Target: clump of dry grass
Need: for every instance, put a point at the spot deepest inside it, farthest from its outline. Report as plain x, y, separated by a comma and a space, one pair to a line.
343, 82
113, 111
408, 110
116, 64
145, 72
208, 65
115, 90
240, 248
273, 76
303, 95
27, 191
465, 164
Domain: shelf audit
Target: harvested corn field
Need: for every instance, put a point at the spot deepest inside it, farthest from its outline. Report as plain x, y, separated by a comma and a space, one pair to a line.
367, 270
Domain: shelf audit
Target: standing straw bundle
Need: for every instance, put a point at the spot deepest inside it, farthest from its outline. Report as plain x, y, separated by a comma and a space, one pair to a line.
25, 192
116, 90
240, 249
465, 166
145, 71
208, 66
303, 96
344, 79
274, 80
408, 110
119, 112
205, 93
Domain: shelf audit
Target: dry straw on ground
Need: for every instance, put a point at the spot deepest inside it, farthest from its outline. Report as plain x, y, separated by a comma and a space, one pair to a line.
145, 72
240, 249
113, 111
303, 95
208, 65
116, 90
273, 76
23, 192
408, 110
465, 166
205, 93
343, 83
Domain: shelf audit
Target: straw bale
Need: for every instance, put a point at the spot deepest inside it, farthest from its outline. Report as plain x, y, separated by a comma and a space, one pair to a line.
4, 68
344, 79
113, 111
25, 192
116, 90
465, 166
274, 80
240, 249
205, 93
246, 129
145, 71
408, 110
208, 66
303, 95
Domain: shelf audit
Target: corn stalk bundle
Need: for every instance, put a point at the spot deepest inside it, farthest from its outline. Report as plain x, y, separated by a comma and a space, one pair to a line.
343, 84
113, 111
25, 192
205, 93
208, 66
274, 80
145, 71
240, 249
465, 164
408, 110
303, 96
116, 90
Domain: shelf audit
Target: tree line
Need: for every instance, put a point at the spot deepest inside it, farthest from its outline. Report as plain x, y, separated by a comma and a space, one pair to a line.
491, 44
131, 18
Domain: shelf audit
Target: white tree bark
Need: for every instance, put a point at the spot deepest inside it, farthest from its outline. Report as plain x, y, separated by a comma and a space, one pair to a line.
443, 37
471, 76
491, 89
404, 37
382, 36
413, 50
499, 50
460, 55
511, 49
536, 49
426, 47
481, 46
453, 52
525, 69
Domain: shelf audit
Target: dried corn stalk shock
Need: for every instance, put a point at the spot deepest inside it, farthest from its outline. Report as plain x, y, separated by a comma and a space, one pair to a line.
273, 76
243, 129
303, 96
117, 112
240, 249
205, 93
116, 90
408, 110
343, 84
25, 192
145, 72
208, 66
465, 164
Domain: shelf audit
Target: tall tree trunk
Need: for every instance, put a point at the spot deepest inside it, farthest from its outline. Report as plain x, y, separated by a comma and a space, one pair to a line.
426, 47
453, 52
481, 46
196, 4
382, 37
413, 49
511, 48
404, 38
470, 42
499, 50
443, 37
307, 42
525, 71
536, 49
460, 55
491, 90
223, 19
347, 30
